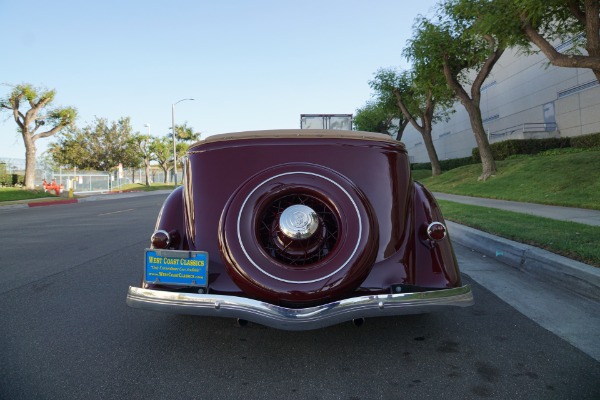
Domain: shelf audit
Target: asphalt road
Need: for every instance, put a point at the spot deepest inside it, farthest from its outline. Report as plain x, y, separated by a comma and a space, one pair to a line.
66, 333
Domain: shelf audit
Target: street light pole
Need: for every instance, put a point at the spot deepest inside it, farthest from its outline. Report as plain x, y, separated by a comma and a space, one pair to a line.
173, 132
146, 163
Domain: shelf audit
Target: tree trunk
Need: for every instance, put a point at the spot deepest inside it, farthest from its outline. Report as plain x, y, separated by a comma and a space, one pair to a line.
596, 74
147, 162
485, 152
30, 151
471, 104
424, 129
165, 174
556, 58
401, 129
436, 169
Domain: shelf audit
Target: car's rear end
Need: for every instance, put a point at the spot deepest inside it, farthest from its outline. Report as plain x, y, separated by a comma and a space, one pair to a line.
298, 230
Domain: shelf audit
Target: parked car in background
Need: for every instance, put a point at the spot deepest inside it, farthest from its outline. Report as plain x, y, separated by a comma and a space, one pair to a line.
299, 229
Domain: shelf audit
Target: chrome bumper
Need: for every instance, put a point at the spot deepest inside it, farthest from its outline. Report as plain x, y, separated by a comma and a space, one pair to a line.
299, 319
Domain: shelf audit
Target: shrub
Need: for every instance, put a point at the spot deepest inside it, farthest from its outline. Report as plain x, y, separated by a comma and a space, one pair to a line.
567, 150
519, 147
458, 162
585, 141
446, 165
17, 180
507, 148
420, 166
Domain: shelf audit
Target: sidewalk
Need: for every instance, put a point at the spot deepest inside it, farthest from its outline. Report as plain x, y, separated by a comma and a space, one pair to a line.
541, 264
580, 215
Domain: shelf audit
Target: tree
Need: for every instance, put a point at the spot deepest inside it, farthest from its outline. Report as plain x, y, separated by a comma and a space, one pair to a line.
142, 143
101, 146
185, 137
186, 133
461, 52
30, 121
379, 115
422, 99
542, 23
162, 150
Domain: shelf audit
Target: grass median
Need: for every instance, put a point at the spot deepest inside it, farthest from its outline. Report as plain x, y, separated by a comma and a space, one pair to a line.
577, 241
558, 177
139, 187
16, 194
20, 194
569, 179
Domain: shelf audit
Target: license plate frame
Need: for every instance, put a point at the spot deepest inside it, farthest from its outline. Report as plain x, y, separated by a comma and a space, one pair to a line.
176, 267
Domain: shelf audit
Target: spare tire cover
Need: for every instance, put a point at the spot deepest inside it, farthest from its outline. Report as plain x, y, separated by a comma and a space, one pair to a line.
271, 266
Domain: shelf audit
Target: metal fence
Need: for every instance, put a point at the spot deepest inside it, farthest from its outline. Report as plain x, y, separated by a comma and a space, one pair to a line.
84, 181
528, 127
12, 172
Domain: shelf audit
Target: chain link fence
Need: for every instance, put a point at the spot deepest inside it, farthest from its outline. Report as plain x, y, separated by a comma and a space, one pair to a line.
12, 174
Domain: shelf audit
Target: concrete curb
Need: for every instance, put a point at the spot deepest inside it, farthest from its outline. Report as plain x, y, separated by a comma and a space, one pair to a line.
51, 203
541, 264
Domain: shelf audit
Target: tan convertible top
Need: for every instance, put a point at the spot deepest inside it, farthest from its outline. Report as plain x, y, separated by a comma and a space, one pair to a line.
306, 133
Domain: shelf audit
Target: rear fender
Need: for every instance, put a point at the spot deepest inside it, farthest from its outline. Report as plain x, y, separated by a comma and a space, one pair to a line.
433, 264
171, 219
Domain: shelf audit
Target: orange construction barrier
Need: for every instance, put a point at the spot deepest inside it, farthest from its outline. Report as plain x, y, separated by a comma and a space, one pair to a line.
48, 187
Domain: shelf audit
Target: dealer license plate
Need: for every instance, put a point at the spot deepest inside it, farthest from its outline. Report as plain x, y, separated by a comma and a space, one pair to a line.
176, 267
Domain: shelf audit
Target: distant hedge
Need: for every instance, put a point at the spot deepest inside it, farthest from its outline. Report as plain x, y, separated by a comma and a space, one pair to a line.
586, 141
508, 148
447, 165
12, 180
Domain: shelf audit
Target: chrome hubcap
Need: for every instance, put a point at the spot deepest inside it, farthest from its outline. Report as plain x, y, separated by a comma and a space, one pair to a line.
298, 222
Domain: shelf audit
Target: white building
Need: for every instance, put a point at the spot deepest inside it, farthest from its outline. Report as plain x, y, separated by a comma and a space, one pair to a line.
524, 97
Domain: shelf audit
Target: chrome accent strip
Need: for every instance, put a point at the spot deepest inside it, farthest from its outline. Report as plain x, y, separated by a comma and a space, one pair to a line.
313, 280
293, 319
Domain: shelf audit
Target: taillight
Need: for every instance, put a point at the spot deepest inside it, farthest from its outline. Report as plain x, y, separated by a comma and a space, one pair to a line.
161, 239
436, 231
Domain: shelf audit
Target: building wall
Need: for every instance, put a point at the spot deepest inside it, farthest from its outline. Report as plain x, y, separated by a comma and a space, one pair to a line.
520, 99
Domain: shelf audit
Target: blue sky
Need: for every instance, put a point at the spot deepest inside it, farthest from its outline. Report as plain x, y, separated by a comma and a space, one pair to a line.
248, 64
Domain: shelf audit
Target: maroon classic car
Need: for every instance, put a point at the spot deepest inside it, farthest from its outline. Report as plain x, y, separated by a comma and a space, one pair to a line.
299, 229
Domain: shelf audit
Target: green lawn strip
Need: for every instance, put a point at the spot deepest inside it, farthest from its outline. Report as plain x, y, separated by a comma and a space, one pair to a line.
571, 180
16, 194
19, 194
420, 174
577, 241
144, 188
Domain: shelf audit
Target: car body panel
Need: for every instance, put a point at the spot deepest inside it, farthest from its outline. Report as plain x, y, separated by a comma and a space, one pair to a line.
376, 216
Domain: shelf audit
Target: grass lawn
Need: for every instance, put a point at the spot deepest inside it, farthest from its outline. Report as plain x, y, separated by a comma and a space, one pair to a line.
577, 241
141, 187
571, 180
420, 174
12, 194
15, 194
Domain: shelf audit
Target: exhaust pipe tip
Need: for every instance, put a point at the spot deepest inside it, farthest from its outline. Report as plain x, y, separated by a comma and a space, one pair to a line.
241, 322
358, 322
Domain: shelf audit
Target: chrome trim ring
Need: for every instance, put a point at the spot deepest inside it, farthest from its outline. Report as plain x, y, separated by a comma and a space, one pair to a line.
436, 226
163, 232
298, 222
342, 265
